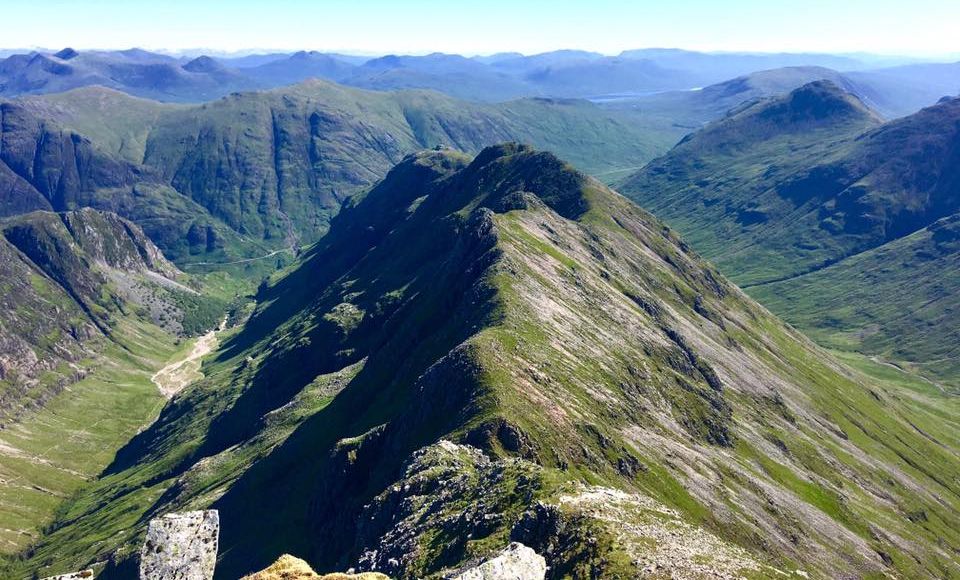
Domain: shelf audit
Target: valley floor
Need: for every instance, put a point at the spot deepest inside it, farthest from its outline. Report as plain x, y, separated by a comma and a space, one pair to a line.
47, 455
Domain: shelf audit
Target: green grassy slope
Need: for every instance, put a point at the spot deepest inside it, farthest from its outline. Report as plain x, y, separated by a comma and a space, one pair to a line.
90, 309
899, 301
743, 190
515, 305
829, 224
44, 165
115, 122
304, 149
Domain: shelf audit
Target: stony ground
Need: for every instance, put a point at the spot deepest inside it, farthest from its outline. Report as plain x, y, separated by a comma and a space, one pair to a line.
174, 377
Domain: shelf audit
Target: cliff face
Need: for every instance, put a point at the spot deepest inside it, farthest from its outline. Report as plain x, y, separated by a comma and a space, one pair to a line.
48, 167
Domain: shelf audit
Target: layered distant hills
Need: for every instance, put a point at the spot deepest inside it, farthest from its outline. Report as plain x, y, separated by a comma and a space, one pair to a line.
842, 224
256, 172
896, 90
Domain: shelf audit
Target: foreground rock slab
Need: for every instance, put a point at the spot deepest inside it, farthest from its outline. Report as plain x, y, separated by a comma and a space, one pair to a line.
181, 546
515, 562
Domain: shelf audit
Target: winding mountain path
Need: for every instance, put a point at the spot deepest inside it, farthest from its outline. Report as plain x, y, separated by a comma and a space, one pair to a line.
245, 260
177, 375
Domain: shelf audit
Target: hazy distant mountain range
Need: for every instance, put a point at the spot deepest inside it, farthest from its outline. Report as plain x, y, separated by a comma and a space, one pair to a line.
896, 90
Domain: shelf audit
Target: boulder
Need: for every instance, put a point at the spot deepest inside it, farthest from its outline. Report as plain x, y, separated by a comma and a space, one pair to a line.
181, 546
515, 562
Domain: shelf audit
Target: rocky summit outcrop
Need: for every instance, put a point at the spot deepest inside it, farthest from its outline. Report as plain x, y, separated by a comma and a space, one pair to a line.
288, 567
456, 492
515, 562
181, 546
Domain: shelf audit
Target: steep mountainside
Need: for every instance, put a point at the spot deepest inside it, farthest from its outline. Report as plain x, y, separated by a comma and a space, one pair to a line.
899, 300
67, 279
253, 173
117, 123
799, 209
46, 166
502, 348
726, 187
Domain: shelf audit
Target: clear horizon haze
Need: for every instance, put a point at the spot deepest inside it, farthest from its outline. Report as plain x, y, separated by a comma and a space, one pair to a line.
923, 28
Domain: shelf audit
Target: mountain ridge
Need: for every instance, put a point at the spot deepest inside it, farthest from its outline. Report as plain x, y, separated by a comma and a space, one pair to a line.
510, 320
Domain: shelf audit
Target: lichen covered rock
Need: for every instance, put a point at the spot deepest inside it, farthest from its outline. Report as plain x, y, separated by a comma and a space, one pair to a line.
453, 493
181, 546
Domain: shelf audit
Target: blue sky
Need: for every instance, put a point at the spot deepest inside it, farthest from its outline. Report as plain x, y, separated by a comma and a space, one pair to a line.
916, 27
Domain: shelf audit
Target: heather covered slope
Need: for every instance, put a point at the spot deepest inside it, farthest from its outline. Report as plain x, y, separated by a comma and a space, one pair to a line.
809, 221
506, 337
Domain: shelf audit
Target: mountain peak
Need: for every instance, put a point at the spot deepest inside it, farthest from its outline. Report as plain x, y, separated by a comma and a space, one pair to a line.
813, 106
821, 100
306, 55
519, 172
203, 64
66, 54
